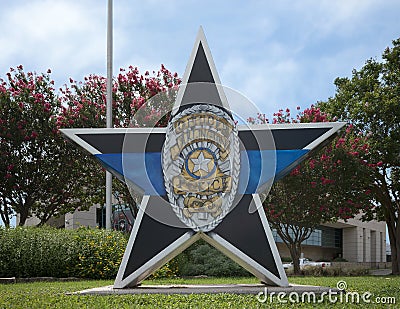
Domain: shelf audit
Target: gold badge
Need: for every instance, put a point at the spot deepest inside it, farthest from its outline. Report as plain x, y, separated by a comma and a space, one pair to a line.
200, 157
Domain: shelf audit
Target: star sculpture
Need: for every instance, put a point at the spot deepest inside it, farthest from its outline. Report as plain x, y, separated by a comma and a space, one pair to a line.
202, 176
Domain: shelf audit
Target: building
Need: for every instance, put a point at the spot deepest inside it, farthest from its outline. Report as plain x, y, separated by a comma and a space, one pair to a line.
354, 241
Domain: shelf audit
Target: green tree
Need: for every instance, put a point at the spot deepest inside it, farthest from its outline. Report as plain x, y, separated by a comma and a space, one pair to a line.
326, 187
370, 100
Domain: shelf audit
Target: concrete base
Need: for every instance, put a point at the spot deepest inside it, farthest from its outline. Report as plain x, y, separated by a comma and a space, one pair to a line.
207, 289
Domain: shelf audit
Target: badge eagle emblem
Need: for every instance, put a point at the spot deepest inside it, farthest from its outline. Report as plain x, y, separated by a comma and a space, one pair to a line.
201, 164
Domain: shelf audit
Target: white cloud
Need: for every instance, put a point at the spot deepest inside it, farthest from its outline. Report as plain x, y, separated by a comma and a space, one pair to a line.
327, 17
66, 36
267, 80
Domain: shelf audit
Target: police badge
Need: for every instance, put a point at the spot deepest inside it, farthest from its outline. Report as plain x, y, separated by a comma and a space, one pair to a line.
201, 164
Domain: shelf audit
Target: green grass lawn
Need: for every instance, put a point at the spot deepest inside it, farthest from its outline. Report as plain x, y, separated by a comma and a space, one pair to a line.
53, 295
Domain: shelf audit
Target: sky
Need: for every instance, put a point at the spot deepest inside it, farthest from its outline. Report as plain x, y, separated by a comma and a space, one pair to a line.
277, 53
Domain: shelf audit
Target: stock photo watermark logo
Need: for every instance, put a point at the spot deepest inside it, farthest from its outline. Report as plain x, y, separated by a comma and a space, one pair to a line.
333, 296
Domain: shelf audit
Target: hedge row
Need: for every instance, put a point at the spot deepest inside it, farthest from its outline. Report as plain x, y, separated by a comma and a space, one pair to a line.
94, 254
42, 252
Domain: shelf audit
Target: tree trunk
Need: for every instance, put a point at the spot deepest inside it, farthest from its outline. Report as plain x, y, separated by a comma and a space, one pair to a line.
394, 239
5, 213
392, 218
45, 217
396, 269
5, 218
24, 213
295, 252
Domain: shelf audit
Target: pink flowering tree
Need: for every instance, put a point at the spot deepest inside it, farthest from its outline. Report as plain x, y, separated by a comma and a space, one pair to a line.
37, 168
328, 186
138, 100
43, 175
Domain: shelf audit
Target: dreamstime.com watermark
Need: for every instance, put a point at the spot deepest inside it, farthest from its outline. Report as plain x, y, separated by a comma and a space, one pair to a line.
338, 295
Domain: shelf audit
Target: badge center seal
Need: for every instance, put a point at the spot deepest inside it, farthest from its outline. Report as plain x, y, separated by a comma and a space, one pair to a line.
201, 164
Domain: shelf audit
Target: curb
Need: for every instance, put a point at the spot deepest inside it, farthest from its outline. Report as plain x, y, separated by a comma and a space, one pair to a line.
13, 280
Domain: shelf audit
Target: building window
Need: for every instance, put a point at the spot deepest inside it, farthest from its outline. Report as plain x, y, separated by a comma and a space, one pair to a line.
314, 239
322, 236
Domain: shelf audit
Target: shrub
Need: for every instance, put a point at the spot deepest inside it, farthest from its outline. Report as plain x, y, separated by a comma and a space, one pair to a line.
95, 254
50, 252
317, 271
33, 252
98, 253
169, 270
286, 259
203, 259
355, 271
314, 271
332, 271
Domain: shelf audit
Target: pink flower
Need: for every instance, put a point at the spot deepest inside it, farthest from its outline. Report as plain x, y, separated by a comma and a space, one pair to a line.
326, 181
313, 184
349, 128
324, 157
340, 142
380, 163
10, 167
295, 172
34, 134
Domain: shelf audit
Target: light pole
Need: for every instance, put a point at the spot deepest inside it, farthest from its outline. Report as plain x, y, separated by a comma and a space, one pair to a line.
109, 105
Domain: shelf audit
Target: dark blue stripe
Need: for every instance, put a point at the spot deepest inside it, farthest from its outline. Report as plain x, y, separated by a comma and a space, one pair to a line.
256, 168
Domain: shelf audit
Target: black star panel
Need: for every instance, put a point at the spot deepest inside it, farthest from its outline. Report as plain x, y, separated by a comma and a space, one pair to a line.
154, 235
201, 82
249, 235
201, 72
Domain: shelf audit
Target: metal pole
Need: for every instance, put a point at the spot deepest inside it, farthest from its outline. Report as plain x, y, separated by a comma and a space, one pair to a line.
109, 107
